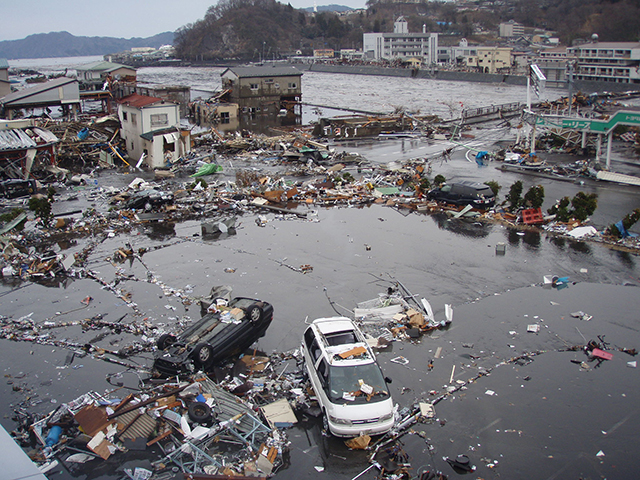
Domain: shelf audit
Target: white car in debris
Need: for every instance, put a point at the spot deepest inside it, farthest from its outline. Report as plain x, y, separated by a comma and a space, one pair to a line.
346, 378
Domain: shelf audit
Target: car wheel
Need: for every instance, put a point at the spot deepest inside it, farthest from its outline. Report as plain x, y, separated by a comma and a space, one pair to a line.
255, 313
165, 340
203, 355
199, 412
325, 423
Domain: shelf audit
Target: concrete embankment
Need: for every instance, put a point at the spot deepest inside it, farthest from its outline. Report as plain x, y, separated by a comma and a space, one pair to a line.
579, 85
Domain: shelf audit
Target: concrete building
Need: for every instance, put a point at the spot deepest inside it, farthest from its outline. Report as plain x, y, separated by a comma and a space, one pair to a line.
553, 63
490, 59
511, 29
151, 130
321, 53
401, 44
616, 62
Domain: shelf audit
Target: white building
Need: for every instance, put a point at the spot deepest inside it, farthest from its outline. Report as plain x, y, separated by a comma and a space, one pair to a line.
511, 29
151, 128
617, 62
401, 44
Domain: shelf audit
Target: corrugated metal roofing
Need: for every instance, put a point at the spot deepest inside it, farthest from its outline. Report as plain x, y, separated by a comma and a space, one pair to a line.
19, 139
43, 87
138, 101
264, 71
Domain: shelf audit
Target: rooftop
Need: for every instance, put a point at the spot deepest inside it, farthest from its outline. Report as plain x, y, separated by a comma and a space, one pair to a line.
263, 71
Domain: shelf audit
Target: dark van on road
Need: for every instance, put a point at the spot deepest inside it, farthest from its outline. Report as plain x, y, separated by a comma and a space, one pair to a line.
476, 194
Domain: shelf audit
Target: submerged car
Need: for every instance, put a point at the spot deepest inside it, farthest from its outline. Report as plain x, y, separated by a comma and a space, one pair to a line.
347, 380
476, 194
214, 338
15, 187
149, 199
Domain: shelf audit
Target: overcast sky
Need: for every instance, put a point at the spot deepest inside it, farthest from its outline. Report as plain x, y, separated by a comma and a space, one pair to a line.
112, 18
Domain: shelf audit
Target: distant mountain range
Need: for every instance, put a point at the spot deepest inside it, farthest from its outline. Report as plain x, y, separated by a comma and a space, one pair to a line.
63, 44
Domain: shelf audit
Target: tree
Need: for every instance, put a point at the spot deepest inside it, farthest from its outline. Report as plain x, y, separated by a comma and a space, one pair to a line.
439, 179
534, 198
494, 186
584, 204
514, 198
626, 223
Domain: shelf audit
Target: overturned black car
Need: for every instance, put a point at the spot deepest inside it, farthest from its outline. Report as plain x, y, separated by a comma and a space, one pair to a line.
214, 337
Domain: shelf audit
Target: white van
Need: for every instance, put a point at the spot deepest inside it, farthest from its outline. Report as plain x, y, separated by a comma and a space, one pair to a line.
346, 378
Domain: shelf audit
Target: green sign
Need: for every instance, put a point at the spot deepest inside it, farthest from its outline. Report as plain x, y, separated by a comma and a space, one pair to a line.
592, 125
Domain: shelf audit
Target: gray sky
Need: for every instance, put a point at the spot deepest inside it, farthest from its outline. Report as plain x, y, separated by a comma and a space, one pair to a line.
112, 18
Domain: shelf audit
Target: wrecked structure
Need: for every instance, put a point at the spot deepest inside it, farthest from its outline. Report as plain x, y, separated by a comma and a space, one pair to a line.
63, 92
264, 91
25, 148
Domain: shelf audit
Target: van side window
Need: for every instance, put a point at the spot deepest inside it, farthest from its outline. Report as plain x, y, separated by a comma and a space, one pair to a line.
323, 373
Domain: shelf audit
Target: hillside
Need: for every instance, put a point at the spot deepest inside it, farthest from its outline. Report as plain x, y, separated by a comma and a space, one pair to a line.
63, 44
245, 29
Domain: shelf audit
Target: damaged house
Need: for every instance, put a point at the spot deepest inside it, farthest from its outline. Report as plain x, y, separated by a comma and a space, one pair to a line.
271, 91
62, 92
25, 148
151, 130
95, 75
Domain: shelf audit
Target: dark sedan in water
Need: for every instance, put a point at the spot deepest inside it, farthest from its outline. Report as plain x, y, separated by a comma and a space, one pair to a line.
213, 338
476, 194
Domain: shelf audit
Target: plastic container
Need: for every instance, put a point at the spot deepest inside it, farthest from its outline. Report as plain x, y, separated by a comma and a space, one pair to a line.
54, 436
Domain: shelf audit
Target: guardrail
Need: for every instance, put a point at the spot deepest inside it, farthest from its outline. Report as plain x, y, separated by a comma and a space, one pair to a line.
479, 112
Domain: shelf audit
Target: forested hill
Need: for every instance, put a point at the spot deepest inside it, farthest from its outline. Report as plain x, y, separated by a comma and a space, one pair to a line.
252, 29
63, 44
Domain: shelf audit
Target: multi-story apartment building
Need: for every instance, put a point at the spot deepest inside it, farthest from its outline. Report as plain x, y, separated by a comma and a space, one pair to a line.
401, 44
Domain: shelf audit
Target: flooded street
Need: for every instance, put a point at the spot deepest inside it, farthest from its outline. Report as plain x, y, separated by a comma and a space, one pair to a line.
519, 404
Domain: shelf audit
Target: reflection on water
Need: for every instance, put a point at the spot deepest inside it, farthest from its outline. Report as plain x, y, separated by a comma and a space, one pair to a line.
580, 247
626, 258
160, 230
530, 239
462, 226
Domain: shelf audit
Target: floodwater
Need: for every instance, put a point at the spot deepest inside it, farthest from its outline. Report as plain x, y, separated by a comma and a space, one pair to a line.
541, 417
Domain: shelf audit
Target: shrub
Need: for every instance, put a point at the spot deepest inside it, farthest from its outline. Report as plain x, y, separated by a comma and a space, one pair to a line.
514, 198
41, 206
627, 222
494, 186
534, 197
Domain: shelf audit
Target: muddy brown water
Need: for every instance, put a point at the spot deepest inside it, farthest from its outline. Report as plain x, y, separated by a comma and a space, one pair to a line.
547, 418
548, 426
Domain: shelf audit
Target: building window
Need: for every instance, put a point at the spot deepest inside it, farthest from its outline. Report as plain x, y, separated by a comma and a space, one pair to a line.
292, 85
159, 120
254, 86
269, 80
134, 119
124, 116
132, 145
224, 117
276, 85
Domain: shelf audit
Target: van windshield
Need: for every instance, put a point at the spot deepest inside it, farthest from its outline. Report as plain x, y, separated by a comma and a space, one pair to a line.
345, 384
